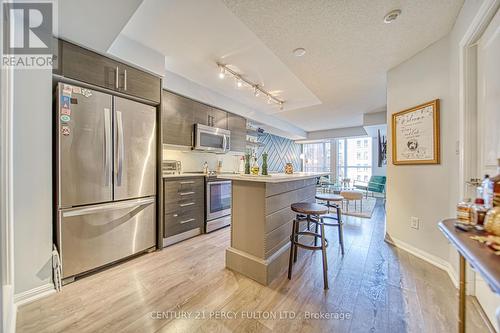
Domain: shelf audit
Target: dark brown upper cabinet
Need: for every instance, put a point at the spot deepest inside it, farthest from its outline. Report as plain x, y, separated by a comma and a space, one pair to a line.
177, 119
219, 118
238, 127
180, 114
90, 67
138, 83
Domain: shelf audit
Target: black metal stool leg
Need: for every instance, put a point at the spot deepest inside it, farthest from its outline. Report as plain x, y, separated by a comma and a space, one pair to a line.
292, 247
323, 250
341, 230
296, 226
316, 231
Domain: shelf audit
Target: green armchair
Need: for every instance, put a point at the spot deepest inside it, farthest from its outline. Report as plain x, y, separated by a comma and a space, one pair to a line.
376, 184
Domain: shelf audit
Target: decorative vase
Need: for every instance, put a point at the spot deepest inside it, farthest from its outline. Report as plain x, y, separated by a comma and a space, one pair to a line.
264, 164
247, 164
289, 168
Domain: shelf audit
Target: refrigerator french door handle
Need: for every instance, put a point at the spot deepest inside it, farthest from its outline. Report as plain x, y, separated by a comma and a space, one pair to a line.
107, 145
108, 207
120, 148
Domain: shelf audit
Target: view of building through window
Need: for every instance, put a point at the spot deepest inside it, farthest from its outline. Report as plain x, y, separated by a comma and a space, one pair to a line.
317, 157
354, 159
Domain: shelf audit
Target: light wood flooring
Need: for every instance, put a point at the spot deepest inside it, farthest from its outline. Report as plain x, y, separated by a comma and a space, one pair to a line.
373, 288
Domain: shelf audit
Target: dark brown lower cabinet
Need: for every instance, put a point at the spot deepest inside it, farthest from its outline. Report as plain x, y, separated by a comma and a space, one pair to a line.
184, 205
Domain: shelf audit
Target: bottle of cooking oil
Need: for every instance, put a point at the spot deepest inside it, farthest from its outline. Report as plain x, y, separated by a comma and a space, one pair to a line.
255, 166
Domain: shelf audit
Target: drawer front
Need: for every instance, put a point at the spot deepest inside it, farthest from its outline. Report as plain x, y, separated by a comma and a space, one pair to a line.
185, 204
183, 187
181, 221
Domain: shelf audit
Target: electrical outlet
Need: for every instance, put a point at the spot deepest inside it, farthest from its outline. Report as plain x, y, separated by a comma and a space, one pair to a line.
414, 222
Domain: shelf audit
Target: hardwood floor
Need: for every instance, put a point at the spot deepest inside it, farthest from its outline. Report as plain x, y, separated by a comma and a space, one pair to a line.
185, 288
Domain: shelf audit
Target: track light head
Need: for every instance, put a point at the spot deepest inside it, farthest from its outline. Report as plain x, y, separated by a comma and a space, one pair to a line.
222, 72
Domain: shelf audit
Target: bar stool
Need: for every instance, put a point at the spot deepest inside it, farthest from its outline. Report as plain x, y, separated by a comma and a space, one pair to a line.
308, 209
340, 224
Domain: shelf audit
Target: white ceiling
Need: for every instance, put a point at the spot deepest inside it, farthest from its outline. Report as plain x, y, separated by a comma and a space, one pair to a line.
93, 23
194, 35
341, 77
349, 48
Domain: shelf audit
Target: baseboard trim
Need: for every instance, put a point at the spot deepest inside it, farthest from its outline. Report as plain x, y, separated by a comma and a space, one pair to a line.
9, 309
426, 256
34, 294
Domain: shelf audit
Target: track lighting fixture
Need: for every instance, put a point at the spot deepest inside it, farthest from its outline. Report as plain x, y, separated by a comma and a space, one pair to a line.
241, 81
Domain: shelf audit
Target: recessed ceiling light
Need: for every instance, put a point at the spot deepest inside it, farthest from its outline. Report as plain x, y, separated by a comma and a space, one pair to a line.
392, 16
299, 52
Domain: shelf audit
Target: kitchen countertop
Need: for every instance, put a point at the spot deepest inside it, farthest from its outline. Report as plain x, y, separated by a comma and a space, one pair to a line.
275, 177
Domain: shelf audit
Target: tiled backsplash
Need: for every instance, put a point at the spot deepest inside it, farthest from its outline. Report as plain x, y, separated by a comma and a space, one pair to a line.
193, 160
280, 151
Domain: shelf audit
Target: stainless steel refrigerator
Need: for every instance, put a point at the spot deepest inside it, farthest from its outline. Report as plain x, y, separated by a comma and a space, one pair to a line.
105, 174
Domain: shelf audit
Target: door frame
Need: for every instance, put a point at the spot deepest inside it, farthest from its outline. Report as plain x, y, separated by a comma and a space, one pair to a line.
8, 307
467, 114
468, 129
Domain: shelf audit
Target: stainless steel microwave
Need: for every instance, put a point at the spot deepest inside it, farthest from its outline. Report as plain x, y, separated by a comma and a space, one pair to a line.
212, 139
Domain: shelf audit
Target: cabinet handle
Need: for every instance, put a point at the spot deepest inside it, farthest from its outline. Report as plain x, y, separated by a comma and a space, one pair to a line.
186, 193
186, 221
175, 215
187, 182
125, 79
116, 77
187, 204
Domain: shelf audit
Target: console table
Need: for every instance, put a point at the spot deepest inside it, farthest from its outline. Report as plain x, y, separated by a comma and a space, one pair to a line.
479, 256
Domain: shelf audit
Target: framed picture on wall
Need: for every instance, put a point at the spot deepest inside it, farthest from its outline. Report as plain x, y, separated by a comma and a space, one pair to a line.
415, 135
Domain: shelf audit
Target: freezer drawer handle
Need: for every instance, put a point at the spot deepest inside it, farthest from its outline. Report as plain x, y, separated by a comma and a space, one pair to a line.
187, 182
187, 204
186, 193
187, 221
109, 207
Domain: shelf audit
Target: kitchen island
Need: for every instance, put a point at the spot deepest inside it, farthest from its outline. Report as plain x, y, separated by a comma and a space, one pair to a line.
262, 221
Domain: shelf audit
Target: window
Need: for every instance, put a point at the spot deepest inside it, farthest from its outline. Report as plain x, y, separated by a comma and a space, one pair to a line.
354, 159
317, 157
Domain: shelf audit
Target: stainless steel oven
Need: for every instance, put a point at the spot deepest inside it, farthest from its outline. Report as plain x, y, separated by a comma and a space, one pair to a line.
218, 205
211, 138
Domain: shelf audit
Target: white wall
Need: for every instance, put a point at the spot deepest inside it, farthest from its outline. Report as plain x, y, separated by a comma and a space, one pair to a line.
32, 179
422, 190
